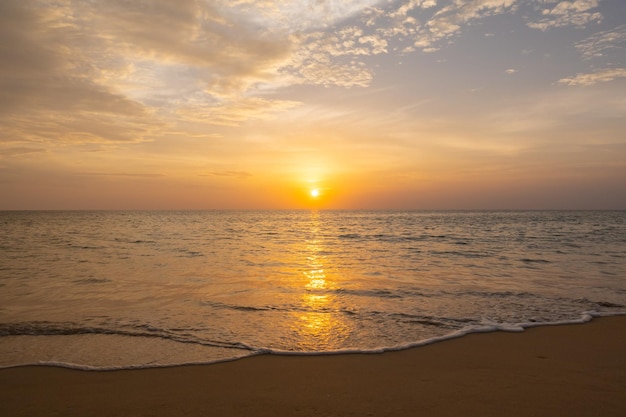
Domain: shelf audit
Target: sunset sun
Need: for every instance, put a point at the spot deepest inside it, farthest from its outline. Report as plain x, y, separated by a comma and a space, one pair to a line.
315, 193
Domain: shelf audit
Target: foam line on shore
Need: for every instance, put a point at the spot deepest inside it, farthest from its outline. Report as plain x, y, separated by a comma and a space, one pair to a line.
485, 328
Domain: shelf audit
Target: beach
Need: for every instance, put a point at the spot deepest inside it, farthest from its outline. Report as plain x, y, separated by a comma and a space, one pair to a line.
567, 370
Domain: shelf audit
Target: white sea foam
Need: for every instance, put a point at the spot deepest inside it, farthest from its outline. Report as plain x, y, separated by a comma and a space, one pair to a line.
487, 328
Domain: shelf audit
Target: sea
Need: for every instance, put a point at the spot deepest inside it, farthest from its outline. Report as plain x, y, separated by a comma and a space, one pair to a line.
103, 290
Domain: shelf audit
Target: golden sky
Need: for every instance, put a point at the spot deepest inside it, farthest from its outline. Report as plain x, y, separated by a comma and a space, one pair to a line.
406, 104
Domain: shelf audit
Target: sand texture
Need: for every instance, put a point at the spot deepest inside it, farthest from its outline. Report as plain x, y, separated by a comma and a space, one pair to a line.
572, 370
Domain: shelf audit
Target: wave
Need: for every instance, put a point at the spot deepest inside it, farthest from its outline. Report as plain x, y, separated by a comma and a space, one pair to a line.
380, 237
87, 281
531, 260
485, 327
416, 293
470, 329
45, 328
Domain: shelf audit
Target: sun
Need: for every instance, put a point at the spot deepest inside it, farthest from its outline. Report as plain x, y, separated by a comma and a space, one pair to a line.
315, 193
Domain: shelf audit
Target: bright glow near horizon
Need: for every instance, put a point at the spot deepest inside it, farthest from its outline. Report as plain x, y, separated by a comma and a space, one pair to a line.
394, 103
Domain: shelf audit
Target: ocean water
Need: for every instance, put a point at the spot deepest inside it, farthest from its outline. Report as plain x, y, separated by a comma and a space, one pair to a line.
106, 290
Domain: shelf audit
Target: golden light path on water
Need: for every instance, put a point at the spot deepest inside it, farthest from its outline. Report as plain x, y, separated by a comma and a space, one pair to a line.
321, 323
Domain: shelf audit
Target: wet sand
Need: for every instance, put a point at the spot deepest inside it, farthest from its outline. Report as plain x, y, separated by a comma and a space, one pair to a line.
571, 370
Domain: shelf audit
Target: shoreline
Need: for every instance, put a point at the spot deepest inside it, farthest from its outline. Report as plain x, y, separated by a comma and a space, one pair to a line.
566, 369
483, 329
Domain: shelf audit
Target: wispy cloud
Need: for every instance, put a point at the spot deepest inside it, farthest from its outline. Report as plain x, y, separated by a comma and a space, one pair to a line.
449, 20
600, 76
233, 174
233, 54
295, 16
47, 88
566, 13
235, 112
598, 44
17, 151
122, 174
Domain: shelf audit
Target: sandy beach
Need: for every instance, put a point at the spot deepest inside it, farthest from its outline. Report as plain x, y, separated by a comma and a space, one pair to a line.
570, 370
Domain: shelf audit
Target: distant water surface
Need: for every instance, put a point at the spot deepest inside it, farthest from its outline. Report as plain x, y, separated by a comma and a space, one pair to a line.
151, 288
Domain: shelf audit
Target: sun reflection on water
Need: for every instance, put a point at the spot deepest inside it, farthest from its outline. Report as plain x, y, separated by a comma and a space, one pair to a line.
321, 324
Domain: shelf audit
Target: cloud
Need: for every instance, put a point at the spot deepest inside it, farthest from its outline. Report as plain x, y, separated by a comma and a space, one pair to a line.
294, 16
108, 39
232, 174
348, 41
39, 70
322, 71
600, 43
334, 58
567, 13
396, 20
449, 20
122, 174
316, 61
232, 53
408, 6
600, 76
117, 71
17, 151
124, 71
47, 91
235, 112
